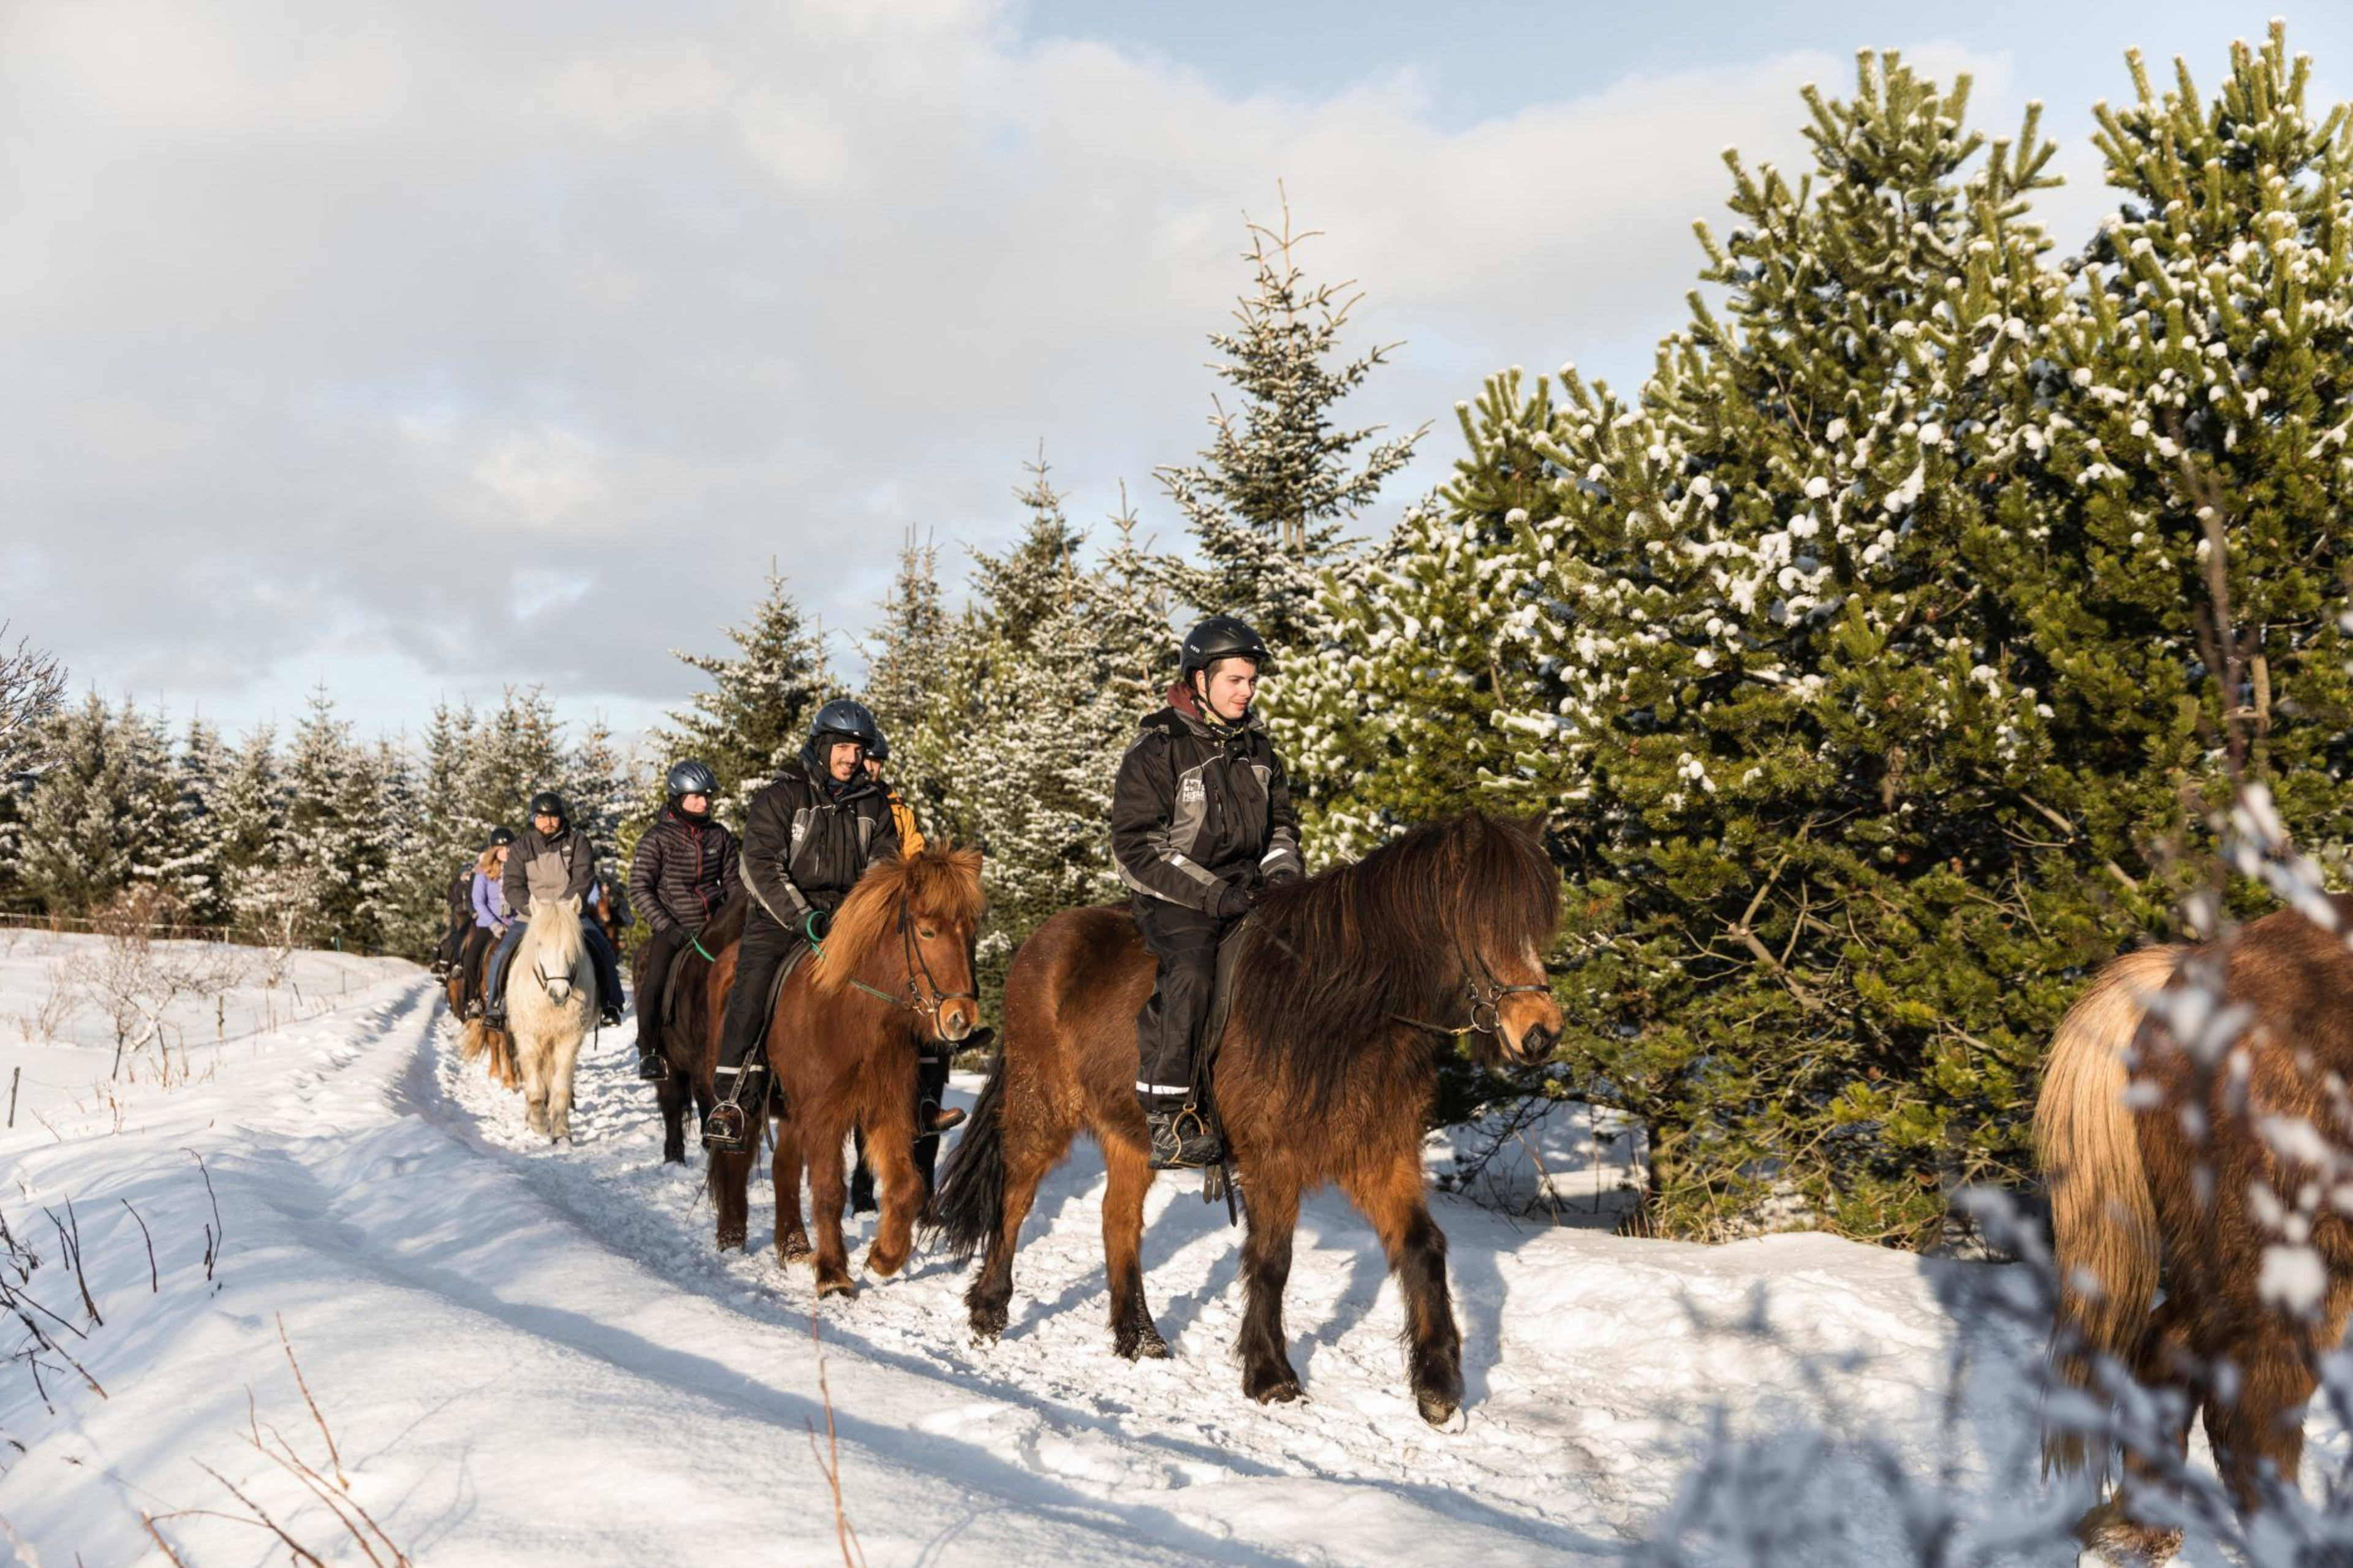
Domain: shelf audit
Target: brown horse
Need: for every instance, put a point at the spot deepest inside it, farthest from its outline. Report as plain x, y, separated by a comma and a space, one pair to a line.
2195, 1126
896, 971
476, 1038
1347, 986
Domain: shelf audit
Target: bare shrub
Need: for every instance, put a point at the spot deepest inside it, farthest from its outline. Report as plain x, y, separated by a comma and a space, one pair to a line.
133, 981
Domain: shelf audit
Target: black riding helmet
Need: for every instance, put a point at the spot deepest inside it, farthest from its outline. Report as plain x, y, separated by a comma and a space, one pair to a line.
879, 748
502, 836
547, 802
1220, 636
691, 776
847, 719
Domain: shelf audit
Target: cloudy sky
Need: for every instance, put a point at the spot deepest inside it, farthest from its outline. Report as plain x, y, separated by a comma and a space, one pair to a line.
424, 348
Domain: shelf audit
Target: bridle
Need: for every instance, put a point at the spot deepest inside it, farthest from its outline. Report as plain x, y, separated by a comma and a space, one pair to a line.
927, 998
1483, 992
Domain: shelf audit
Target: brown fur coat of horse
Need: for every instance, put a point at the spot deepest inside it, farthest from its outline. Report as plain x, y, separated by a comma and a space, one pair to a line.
1349, 984
2195, 1129
896, 969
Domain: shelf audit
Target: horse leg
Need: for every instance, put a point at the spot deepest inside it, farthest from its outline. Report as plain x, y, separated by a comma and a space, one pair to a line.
1132, 1332
990, 1295
792, 1238
1391, 1197
563, 1060
671, 1094
534, 1086
1274, 1213
2258, 1432
731, 1176
2162, 1365
892, 1155
829, 1189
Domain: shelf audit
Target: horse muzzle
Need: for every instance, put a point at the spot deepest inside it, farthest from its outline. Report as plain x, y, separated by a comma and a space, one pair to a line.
956, 1023
1535, 1043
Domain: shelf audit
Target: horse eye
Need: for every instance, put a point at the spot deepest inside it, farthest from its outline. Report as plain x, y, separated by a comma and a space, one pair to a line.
926, 933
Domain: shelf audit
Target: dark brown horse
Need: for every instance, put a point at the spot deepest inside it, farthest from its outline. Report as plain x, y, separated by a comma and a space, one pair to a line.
477, 1039
1346, 987
689, 1040
896, 971
2196, 1128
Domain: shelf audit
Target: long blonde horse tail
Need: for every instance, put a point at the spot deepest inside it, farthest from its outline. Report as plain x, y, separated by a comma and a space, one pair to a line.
2103, 1217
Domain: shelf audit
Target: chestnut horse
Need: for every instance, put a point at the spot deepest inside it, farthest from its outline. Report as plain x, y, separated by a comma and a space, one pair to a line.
2196, 1128
1347, 985
476, 1038
895, 971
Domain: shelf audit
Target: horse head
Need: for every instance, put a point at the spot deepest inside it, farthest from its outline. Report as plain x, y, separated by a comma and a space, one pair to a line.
1512, 913
555, 936
906, 932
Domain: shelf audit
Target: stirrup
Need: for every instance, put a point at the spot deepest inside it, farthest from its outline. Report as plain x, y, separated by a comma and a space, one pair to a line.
727, 1131
651, 1068
1181, 1140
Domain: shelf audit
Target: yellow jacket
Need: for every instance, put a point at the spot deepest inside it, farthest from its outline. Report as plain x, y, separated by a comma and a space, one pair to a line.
902, 816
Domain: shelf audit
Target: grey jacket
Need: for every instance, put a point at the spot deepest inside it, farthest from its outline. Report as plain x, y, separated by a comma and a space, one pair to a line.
555, 869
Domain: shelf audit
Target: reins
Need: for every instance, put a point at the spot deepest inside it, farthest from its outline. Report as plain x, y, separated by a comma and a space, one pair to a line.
914, 999
1485, 1002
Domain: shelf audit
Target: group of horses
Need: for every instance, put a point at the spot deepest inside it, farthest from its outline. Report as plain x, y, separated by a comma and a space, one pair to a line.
2194, 1124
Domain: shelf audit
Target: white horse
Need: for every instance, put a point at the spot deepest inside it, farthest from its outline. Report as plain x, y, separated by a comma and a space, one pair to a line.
551, 998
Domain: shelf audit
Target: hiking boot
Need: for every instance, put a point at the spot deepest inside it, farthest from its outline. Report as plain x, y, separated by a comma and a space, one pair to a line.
942, 1119
474, 1007
651, 1068
495, 1016
1181, 1141
610, 1017
727, 1131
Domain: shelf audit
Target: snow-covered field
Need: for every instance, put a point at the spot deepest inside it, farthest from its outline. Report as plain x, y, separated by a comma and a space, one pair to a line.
529, 1353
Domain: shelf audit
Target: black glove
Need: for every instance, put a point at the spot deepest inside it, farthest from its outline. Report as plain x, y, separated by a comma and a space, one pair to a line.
815, 923
1282, 877
1232, 902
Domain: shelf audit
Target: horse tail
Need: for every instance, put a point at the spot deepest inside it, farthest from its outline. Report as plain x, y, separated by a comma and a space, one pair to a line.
2104, 1237
970, 1201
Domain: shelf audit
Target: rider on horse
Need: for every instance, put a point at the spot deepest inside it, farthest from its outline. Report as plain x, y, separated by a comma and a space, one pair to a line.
1200, 820
903, 815
552, 859
487, 916
808, 838
684, 870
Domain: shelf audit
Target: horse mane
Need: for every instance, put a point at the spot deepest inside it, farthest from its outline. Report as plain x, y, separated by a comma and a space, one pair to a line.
562, 937
940, 884
1342, 956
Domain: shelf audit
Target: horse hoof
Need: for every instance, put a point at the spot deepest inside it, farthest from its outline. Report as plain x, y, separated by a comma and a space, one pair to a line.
1143, 1345
1280, 1390
840, 1285
987, 1322
1437, 1408
731, 1241
793, 1248
883, 1265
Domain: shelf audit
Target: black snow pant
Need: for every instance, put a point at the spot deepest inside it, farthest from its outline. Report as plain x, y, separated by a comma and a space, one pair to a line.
764, 948
473, 954
1166, 1032
661, 950
452, 947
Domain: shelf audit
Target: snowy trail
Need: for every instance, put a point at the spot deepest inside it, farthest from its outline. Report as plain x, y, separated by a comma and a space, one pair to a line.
534, 1354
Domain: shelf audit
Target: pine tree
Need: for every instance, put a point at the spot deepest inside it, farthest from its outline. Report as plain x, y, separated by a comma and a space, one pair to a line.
516, 751
329, 802
755, 718
195, 870
81, 842
911, 686
1280, 481
252, 809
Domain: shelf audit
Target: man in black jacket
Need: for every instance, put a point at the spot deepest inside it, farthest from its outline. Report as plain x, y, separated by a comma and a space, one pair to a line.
684, 870
808, 838
1201, 819
553, 860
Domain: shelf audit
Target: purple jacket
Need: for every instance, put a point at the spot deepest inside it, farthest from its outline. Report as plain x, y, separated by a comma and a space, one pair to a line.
490, 903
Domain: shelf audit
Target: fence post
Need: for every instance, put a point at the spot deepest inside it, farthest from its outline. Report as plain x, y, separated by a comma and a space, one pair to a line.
12, 1078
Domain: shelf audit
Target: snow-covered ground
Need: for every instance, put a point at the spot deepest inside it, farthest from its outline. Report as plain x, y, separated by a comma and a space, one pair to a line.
529, 1353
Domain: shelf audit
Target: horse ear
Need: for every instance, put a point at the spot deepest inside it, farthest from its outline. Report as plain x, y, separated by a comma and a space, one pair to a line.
572, 905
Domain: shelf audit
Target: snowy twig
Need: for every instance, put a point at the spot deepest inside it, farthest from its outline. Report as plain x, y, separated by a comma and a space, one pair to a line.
333, 1457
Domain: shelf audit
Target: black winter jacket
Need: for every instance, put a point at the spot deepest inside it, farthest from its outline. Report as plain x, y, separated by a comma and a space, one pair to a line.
1198, 805
804, 848
682, 873
555, 867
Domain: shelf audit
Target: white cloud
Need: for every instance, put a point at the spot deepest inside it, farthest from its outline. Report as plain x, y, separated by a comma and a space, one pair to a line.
334, 332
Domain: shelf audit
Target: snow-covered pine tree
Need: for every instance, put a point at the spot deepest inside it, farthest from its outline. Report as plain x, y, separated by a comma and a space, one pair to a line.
445, 835
1820, 932
756, 717
145, 743
2205, 359
912, 686
330, 802
252, 809
383, 797
1279, 480
517, 751
82, 823
601, 788
195, 870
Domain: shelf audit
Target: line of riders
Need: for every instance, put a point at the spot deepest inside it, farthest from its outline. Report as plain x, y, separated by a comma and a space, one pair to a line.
1201, 822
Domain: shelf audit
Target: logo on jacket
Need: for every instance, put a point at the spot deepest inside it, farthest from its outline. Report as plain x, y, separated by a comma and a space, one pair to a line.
1189, 790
